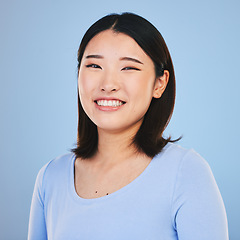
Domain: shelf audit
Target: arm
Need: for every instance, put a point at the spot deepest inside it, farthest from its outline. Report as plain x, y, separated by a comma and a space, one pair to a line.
37, 226
198, 209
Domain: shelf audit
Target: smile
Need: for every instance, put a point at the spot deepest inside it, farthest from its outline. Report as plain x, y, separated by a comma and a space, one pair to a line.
109, 103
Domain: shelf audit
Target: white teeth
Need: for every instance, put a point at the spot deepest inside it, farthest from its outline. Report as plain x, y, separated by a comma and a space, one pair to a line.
110, 103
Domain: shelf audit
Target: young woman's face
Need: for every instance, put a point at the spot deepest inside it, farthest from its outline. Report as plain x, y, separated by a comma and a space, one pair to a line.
116, 81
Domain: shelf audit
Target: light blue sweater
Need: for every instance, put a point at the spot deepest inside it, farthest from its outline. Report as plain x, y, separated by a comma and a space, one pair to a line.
175, 197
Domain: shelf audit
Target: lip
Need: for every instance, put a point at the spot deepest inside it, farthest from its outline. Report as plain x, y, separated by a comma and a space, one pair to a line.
108, 108
108, 99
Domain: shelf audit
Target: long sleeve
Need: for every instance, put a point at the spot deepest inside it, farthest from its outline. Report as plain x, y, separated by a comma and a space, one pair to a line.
37, 225
198, 210
175, 198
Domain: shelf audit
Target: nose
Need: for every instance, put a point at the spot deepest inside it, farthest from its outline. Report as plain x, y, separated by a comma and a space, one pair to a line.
110, 82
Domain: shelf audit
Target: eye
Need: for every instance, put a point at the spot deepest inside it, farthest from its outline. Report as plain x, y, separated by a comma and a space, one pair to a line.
93, 66
131, 68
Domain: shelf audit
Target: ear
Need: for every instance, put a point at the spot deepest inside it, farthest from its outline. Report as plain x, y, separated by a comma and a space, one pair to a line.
160, 84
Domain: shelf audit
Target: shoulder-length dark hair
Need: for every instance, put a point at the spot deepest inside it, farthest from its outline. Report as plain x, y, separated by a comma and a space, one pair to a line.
149, 137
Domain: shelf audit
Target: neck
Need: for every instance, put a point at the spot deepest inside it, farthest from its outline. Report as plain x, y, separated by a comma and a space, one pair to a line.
114, 147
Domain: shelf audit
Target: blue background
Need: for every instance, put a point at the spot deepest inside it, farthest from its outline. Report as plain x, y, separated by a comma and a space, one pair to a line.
38, 89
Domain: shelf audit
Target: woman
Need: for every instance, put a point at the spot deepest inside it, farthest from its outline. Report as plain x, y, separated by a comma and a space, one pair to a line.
124, 180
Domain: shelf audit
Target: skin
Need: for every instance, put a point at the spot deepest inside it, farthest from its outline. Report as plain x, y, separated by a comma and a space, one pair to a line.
114, 67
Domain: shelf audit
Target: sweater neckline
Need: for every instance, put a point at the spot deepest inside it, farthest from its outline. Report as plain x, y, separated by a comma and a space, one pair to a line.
118, 192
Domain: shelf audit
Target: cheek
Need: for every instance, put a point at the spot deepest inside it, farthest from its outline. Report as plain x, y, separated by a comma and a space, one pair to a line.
143, 87
141, 92
84, 84
84, 89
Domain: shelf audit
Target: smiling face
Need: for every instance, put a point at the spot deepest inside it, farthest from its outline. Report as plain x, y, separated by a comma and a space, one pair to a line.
117, 82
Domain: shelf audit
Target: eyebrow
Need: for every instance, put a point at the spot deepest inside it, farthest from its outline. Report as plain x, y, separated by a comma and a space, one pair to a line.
122, 59
130, 59
94, 56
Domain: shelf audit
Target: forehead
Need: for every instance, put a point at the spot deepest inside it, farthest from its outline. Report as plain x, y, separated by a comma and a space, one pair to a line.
109, 42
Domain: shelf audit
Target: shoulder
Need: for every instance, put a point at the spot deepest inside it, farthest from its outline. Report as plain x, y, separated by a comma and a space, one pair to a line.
55, 169
56, 164
191, 172
184, 165
177, 155
196, 200
178, 167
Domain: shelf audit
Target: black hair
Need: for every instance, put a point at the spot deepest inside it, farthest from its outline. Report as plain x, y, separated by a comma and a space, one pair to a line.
149, 138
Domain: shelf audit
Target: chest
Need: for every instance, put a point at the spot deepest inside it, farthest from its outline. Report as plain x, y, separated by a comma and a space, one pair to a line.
139, 210
91, 183
134, 212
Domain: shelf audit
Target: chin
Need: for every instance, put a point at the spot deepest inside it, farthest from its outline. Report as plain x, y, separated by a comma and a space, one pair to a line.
116, 127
